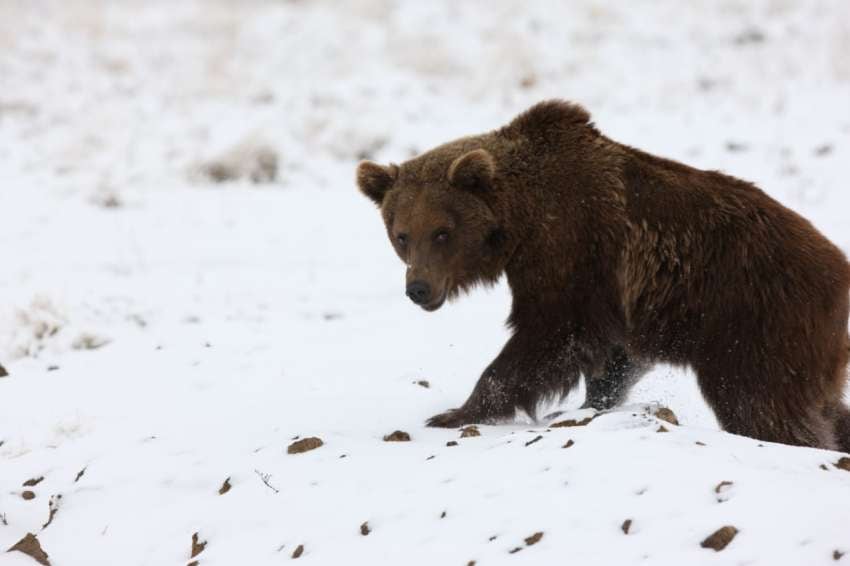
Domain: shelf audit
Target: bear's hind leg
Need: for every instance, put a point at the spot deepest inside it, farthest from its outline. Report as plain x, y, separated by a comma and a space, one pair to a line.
609, 388
751, 404
839, 415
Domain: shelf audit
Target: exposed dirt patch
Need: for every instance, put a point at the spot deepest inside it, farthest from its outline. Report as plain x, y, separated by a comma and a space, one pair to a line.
719, 539
88, 341
304, 445
626, 526
225, 487
843, 463
30, 546
749, 36
568, 443
28, 495
34, 481
198, 545
572, 422
423, 383
299, 550
397, 436
451, 443
533, 539
837, 554
365, 529
250, 159
469, 431
3, 372
666, 414
53, 506
662, 428
722, 486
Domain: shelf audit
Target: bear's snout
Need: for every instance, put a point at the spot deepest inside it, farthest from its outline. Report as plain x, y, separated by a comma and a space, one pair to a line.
419, 292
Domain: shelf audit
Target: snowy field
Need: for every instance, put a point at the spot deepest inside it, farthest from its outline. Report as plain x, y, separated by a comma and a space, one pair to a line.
190, 280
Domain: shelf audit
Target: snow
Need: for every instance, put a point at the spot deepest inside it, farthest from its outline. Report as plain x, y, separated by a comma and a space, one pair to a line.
164, 332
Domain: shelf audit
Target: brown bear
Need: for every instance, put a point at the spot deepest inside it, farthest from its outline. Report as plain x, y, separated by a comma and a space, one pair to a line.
617, 259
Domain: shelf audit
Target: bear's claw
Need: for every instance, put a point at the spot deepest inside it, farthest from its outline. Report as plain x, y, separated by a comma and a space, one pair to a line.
452, 418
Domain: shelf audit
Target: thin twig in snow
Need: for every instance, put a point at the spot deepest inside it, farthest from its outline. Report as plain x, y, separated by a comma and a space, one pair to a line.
266, 480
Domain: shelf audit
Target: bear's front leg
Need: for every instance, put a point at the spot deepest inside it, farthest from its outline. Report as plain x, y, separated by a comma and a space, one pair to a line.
608, 387
529, 367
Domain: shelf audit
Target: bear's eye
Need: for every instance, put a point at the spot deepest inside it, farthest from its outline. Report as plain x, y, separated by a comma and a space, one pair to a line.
441, 236
401, 239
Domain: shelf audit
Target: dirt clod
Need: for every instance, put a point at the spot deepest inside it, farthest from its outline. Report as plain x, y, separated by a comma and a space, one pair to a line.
662, 428
666, 414
225, 487
304, 445
423, 383
27, 495
533, 539
198, 545
299, 550
572, 422
515, 550
722, 486
397, 436
533, 440
698, 443
79, 475
30, 546
568, 444
451, 443
3, 372
443, 515
364, 528
34, 481
627, 524
837, 554
823, 150
469, 431
843, 463
719, 539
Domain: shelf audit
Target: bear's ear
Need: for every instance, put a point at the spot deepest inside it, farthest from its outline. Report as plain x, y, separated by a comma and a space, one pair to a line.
375, 180
473, 170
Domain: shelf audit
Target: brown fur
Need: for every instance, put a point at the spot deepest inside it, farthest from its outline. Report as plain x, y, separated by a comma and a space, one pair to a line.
618, 259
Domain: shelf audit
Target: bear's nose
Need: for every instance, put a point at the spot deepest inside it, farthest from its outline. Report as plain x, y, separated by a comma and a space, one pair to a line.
419, 292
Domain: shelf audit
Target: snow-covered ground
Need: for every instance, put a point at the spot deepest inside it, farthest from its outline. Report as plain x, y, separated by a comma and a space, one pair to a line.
164, 331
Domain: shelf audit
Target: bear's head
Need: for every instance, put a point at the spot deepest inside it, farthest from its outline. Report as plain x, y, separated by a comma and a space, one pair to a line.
440, 218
